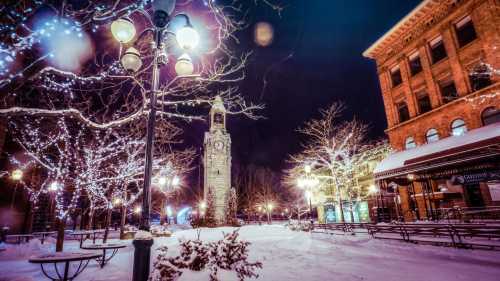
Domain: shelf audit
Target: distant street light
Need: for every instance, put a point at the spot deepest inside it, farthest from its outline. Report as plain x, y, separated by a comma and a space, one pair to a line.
54, 186
17, 175
308, 182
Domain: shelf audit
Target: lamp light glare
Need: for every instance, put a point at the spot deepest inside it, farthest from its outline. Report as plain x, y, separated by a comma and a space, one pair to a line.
54, 186
17, 175
187, 38
123, 30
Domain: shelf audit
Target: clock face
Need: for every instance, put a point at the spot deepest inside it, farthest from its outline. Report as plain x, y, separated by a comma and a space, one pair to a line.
218, 118
219, 145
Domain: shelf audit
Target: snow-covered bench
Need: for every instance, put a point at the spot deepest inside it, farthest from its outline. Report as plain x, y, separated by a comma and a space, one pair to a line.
344, 227
455, 235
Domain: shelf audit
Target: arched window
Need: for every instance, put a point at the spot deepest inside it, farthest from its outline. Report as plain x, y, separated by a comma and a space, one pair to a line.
458, 127
490, 115
410, 143
432, 135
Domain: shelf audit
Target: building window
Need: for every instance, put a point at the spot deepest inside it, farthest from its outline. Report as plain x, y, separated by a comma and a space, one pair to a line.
448, 91
490, 115
458, 127
396, 77
480, 77
404, 114
465, 31
415, 64
424, 104
432, 135
410, 143
438, 52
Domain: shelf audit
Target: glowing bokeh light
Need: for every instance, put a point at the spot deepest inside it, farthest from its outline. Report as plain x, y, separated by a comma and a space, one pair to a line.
65, 42
263, 34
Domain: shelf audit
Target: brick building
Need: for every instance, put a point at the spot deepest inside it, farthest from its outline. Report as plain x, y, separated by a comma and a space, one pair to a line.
439, 75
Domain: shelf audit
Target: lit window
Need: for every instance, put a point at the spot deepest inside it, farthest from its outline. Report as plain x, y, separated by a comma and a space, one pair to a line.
490, 115
410, 143
448, 91
415, 64
458, 127
396, 76
480, 76
465, 30
438, 52
432, 135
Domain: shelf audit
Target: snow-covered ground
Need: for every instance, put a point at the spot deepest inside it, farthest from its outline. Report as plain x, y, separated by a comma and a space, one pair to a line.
288, 255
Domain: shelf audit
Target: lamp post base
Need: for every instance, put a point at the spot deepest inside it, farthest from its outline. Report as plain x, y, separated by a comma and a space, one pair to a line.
142, 259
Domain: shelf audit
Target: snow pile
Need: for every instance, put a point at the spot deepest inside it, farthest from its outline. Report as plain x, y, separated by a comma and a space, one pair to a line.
25, 250
160, 231
143, 235
226, 256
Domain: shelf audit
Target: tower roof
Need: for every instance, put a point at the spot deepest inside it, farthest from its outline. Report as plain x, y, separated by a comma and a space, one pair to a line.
218, 104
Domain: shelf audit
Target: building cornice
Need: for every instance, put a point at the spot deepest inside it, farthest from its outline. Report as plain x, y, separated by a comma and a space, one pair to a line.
425, 16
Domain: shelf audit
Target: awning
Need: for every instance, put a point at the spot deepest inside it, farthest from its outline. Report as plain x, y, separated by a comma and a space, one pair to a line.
445, 152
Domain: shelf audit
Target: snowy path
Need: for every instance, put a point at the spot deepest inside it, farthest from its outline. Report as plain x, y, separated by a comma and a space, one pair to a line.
300, 256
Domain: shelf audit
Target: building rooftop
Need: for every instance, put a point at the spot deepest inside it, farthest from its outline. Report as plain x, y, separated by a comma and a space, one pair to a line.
421, 15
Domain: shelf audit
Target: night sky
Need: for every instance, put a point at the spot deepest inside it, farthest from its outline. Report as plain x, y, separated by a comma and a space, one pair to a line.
314, 60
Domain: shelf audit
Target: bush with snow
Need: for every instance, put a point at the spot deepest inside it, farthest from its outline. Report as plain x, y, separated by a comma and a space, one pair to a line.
228, 254
296, 225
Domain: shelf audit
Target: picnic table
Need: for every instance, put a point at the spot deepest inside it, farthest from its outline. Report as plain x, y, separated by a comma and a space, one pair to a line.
43, 234
66, 258
105, 247
84, 233
20, 237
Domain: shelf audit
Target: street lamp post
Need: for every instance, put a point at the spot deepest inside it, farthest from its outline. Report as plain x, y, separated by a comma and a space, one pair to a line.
187, 38
308, 182
17, 176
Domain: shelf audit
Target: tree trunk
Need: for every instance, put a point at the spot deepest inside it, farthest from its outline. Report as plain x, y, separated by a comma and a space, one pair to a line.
108, 222
31, 215
342, 218
90, 222
122, 221
61, 223
351, 212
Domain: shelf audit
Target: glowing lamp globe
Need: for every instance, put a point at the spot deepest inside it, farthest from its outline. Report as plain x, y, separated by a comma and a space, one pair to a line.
131, 60
176, 181
123, 30
162, 181
54, 186
17, 175
202, 205
307, 168
184, 65
137, 209
187, 38
117, 201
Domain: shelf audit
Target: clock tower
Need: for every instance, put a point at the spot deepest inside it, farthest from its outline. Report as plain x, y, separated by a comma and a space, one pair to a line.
217, 159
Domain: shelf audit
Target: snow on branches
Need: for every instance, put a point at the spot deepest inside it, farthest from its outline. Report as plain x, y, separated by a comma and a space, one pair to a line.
334, 150
58, 59
229, 254
101, 165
